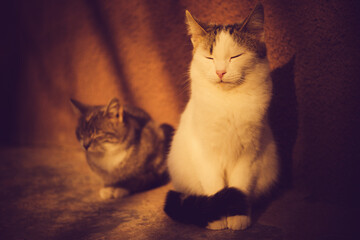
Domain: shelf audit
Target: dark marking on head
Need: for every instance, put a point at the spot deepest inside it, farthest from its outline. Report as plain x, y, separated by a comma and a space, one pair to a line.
231, 28
248, 34
212, 32
231, 31
251, 43
241, 36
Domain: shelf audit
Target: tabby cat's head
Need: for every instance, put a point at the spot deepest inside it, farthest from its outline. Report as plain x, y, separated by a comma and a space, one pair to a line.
225, 54
99, 126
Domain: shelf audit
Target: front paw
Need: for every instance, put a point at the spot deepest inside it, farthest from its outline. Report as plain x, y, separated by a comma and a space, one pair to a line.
239, 222
111, 192
218, 224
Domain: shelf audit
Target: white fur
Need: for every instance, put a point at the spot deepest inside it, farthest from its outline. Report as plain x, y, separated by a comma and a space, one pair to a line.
112, 156
111, 192
223, 138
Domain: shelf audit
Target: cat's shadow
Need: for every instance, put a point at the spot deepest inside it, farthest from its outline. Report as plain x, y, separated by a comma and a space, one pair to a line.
283, 118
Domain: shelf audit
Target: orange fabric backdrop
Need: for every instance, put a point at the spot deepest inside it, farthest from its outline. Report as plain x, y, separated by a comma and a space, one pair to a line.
138, 51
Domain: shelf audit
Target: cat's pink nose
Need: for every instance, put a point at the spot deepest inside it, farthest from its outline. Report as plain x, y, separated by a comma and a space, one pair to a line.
220, 73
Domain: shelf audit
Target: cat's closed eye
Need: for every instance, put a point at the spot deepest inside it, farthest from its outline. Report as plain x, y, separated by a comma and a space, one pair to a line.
236, 56
233, 57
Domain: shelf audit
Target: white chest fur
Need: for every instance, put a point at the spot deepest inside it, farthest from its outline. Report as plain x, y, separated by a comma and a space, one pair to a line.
111, 158
219, 132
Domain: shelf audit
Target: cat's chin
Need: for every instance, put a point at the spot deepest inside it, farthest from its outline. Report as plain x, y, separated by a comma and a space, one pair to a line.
103, 148
226, 85
95, 152
224, 82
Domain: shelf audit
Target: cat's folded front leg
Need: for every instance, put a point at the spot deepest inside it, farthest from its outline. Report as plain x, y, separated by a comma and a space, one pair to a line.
240, 177
212, 184
113, 192
239, 222
218, 224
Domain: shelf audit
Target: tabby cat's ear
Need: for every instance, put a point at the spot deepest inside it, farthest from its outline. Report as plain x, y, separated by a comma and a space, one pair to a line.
115, 109
254, 23
196, 31
78, 107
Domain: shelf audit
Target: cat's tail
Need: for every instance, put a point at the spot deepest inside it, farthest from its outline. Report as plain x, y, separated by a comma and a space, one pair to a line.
201, 210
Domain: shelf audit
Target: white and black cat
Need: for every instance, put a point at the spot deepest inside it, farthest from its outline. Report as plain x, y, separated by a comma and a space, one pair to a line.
123, 146
223, 156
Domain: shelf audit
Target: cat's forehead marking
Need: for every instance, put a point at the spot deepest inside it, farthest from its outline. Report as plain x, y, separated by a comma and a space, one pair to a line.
214, 32
90, 117
225, 46
92, 120
239, 36
251, 43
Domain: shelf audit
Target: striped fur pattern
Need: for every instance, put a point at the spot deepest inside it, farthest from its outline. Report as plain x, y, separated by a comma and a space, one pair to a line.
123, 146
223, 140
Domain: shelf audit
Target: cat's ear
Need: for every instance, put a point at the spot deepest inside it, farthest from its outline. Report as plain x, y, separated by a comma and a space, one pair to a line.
115, 109
196, 31
78, 107
254, 23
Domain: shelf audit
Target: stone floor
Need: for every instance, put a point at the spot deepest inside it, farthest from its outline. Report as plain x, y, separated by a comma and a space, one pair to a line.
49, 193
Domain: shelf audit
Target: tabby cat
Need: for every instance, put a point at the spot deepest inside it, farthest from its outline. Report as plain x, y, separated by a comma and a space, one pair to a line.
123, 146
223, 156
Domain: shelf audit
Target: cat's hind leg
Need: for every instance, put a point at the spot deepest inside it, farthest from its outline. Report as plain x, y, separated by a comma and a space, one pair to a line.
112, 192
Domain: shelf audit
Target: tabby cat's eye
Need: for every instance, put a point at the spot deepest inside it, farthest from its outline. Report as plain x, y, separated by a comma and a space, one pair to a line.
236, 56
210, 58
